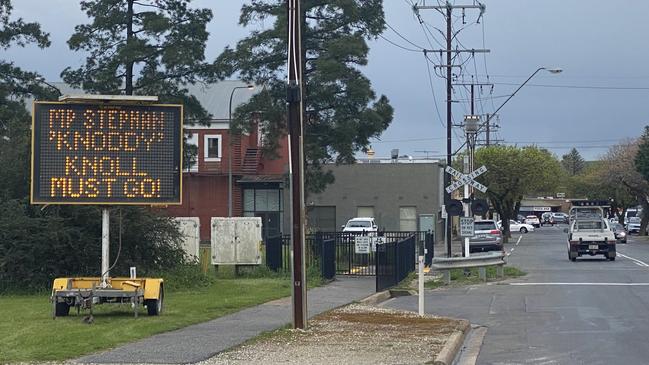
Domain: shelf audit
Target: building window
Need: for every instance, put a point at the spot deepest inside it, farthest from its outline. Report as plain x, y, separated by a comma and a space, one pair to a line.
365, 212
408, 219
212, 147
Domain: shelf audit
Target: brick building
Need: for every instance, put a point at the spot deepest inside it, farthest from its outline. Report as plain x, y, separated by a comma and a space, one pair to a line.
258, 181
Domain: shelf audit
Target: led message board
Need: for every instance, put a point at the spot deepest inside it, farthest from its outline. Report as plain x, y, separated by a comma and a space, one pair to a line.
106, 153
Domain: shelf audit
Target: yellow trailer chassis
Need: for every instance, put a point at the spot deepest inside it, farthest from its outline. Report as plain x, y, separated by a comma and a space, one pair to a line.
84, 292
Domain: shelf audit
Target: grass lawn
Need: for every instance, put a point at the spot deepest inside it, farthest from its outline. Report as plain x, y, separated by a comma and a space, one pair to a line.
459, 278
28, 332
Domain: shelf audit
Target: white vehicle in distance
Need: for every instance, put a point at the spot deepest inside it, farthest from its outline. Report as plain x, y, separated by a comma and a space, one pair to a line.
515, 226
361, 224
533, 220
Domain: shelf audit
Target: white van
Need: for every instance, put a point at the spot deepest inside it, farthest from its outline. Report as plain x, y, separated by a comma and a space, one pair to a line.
630, 213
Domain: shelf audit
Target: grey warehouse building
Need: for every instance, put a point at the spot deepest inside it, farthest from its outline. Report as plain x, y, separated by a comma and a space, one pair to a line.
402, 195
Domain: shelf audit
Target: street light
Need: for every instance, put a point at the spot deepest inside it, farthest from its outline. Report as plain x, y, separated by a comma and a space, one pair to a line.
249, 87
41, 80
552, 70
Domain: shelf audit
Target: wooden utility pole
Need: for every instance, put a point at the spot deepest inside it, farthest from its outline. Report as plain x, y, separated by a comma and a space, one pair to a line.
448, 7
295, 129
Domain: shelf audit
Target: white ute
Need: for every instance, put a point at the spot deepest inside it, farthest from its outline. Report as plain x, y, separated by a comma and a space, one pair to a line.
590, 233
361, 224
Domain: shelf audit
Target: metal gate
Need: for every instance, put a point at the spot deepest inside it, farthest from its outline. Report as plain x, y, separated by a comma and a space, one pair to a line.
335, 251
394, 261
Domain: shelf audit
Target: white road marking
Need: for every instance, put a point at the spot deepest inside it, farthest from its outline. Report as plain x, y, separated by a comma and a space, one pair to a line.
519, 240
579, 284
636, 261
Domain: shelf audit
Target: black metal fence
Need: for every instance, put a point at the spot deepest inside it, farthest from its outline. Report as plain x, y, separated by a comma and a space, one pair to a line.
335, 251
394, 261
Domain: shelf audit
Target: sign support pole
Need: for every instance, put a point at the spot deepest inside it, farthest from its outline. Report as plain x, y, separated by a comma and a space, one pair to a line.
105, 246
467, 206
421, 284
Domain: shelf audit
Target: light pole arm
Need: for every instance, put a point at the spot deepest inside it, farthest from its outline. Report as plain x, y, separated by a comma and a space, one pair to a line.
230, 152
514, 93
501, 105
230, 148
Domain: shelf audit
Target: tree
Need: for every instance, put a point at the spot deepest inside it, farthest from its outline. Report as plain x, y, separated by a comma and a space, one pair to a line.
641, 159
513, 172
144, 47
622, 172
572, 162
15, 86
641, 162
39, 243
342, 110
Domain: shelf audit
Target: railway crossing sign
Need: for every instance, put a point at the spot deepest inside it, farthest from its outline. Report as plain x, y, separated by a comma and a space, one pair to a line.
464, 179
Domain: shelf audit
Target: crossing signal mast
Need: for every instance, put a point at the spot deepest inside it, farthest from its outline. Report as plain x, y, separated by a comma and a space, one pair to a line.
447, 10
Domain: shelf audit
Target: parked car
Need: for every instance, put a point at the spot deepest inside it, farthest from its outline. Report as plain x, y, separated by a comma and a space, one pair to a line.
361, 224
533, 220
515, 226
547, 218
487, 237
634, 225
520, 218
619, 231
560, 217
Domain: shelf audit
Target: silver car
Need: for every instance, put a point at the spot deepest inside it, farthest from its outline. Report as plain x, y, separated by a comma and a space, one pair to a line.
487, 237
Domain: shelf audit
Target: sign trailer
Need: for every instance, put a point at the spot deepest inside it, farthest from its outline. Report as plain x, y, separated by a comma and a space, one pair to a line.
106, 150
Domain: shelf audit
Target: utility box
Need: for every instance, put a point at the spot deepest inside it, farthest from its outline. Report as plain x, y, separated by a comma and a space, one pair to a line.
190, 229
236, 241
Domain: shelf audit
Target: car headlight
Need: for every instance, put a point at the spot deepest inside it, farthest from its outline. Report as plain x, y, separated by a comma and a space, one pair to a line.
622, 234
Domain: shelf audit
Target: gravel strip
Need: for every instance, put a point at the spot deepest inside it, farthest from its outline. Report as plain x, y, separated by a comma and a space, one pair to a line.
355, 334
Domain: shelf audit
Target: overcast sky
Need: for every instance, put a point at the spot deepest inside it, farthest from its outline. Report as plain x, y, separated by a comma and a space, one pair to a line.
601, 98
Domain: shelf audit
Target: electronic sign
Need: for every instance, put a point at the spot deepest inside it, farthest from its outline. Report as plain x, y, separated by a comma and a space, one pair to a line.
106, 153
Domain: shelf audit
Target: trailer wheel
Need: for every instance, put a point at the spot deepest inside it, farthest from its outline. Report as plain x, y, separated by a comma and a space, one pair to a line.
62, 309
154, 306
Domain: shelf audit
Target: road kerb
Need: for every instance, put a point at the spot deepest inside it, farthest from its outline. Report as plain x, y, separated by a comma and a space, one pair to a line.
377, 298
453, 346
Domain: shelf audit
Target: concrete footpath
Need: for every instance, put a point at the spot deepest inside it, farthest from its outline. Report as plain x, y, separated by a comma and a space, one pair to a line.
202, 341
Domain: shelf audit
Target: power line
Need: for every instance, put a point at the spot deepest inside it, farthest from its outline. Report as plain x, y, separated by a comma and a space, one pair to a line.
402, 37
578, 86
571, 141
398, 45
409, 140
432, 89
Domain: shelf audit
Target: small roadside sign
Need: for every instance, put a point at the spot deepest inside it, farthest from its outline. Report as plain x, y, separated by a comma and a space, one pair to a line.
467, 228
362, 244
377, 241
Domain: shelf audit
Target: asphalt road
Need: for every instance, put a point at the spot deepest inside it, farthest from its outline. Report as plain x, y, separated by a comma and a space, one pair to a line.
592, 311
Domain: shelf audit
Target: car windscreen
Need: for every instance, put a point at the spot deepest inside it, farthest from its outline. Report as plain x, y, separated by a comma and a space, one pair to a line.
361, 224
485, 226
589, 225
